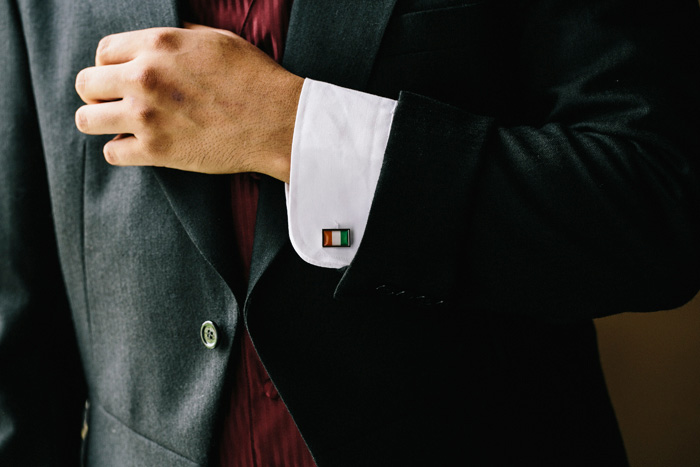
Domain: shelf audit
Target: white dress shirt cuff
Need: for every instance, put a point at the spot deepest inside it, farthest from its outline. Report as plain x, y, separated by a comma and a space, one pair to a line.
340, 136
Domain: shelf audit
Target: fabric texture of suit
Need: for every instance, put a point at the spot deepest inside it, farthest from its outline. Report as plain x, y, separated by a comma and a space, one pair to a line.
543, 164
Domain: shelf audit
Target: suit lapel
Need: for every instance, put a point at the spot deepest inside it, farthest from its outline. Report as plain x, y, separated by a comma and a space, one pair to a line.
124, 15
328, 40
270, 228
202, 204
336, 40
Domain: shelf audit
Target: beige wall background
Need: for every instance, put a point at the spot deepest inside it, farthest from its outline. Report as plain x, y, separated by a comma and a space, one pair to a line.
652, 366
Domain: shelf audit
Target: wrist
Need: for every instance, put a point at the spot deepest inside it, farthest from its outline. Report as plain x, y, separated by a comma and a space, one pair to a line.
278, 163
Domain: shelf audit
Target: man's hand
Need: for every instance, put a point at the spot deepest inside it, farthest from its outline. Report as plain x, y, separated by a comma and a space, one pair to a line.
196, 99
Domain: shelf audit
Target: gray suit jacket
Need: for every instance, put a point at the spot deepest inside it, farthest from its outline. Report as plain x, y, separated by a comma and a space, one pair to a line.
538, 170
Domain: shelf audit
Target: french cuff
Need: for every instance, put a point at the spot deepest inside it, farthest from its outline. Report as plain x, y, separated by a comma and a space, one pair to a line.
340, 136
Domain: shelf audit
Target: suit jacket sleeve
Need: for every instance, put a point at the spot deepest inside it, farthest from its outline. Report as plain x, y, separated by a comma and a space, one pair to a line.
41, 384
578, 197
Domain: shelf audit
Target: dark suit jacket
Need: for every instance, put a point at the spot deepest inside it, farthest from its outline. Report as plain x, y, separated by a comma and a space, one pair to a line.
542, 170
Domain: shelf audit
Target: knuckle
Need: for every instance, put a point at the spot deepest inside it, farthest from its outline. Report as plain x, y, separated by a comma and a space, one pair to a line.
146, 78
145, 114
165, 39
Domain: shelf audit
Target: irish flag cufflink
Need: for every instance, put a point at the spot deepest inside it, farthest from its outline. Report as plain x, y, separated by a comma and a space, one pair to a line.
336, 237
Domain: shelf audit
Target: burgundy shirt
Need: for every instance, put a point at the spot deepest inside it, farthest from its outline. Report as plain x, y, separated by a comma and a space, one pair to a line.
258, 430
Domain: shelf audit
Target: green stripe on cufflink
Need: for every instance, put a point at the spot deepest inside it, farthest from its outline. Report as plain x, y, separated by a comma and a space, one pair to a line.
336, 237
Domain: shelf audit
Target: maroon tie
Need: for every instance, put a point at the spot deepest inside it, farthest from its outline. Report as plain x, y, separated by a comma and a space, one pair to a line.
258, 431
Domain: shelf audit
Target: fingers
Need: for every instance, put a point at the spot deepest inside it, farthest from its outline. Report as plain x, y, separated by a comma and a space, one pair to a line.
130, 150
107, 118
187, 25
121, 150
201, 27
125, 149
135, 143
125, 46
118, 48
100, 84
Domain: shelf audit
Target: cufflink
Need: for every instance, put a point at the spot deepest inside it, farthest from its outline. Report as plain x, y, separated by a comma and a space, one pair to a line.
336, 237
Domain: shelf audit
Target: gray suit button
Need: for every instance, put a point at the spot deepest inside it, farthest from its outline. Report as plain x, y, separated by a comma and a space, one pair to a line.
209, 334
